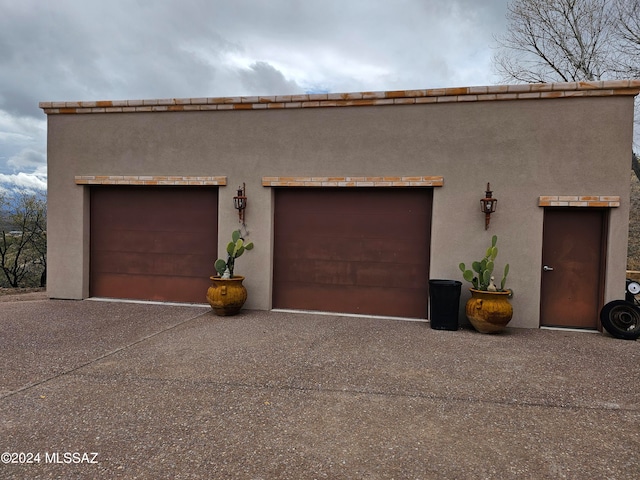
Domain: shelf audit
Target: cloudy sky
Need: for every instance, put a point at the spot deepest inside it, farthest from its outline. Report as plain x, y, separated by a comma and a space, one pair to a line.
69, 50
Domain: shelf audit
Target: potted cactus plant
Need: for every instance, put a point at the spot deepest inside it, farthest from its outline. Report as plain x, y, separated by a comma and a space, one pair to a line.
227, 295
488, 309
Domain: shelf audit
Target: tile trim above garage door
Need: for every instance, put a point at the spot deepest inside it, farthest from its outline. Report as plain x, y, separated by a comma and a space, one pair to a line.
156, 180
354, 181
595, 201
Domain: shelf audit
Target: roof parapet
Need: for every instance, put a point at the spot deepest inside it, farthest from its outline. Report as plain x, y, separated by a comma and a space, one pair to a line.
529, 91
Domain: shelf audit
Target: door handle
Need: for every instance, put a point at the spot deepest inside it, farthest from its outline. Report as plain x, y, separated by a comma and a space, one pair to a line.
547, 268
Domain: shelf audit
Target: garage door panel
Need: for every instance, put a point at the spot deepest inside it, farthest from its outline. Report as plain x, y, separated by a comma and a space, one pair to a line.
331, 298
354, 273
193, 222
403, 275
365, 225
153, 243
352, 249
189, 213
318, 272
150, 287
363, 240
347, 201
155, 223
159, 264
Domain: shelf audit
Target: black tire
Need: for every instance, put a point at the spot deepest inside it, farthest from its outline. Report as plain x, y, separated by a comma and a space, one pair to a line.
621, 319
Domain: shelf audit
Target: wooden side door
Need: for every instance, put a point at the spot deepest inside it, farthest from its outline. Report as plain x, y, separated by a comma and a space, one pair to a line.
573, 266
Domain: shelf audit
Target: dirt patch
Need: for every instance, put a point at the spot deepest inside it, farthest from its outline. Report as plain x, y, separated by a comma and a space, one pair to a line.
22, 294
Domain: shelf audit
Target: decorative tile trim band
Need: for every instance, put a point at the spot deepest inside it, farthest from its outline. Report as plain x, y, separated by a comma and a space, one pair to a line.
406, 181
530, 91
579, 201
149, 180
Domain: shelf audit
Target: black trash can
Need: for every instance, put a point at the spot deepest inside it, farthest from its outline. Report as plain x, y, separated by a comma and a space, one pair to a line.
444, 299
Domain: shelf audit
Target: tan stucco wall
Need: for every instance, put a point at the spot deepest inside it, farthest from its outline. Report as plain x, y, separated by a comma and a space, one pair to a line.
525, 148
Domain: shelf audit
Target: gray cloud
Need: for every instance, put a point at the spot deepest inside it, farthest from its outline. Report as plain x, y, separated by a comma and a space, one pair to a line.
262, 78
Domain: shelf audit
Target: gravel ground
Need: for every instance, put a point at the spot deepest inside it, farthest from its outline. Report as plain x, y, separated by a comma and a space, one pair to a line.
22, 294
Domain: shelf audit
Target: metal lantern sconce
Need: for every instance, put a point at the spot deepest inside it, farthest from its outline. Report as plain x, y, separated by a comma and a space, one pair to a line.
240, 203
488, 206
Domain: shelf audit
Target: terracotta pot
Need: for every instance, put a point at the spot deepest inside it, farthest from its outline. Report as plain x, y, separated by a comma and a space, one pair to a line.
226, 295
489, 312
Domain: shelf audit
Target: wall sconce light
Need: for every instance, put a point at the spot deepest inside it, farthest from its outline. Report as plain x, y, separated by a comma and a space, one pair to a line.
488, 206
240, 203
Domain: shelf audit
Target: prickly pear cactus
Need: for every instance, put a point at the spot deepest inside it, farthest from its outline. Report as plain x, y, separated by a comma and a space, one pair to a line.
235, 248
480, 274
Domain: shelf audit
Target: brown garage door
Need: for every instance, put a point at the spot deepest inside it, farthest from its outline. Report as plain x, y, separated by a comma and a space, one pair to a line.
360, 250
153, 243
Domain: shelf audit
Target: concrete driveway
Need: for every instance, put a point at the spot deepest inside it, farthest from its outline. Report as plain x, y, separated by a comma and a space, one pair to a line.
119, 390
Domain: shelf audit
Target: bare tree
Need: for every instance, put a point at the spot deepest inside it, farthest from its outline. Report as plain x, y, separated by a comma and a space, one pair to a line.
626, 33
37, 208
23, 247
556, 40
570, 40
